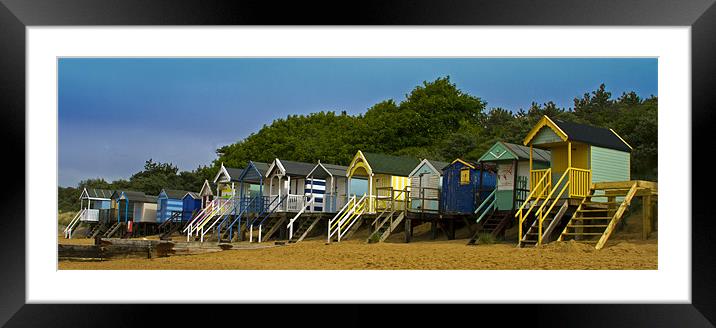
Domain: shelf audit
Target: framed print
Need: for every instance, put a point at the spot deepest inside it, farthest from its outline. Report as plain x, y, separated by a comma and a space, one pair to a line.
407, 152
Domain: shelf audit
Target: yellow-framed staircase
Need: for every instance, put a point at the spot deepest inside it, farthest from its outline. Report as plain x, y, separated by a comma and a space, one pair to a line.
598, 214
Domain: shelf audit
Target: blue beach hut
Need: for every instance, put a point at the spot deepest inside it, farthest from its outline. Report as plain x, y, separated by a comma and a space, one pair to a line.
465, 185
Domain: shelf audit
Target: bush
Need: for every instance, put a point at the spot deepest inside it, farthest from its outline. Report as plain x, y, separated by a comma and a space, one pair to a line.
485, 239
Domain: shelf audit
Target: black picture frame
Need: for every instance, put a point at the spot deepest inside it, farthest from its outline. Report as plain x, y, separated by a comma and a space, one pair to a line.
16, 15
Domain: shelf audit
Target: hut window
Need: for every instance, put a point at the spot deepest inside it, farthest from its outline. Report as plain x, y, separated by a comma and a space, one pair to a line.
465, 176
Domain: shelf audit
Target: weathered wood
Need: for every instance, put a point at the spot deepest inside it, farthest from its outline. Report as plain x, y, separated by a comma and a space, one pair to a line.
107, 251
646, 217
553, 225
617, 217
408, 230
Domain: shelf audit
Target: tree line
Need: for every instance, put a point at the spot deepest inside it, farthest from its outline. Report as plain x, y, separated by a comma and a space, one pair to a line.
436, 120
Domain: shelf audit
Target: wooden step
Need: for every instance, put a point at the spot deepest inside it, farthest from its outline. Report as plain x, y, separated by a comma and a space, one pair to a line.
592, 218
582, 234
587, 225
600, 203
595, 210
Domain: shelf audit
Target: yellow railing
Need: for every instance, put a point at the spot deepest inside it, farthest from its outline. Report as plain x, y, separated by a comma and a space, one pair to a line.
580, 181
547, 175
541, 214
540, 185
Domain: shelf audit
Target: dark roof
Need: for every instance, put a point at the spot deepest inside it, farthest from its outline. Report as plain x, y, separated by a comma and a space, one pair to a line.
191, 194
135, 196
297, 168
476, 165
150, 199
250, 174
99, 193
592, 135
438, 165
388, 164
175, 194
335, 170
523, 152
234, 173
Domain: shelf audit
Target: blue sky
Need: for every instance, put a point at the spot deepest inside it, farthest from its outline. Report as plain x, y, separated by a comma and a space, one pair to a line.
116, 113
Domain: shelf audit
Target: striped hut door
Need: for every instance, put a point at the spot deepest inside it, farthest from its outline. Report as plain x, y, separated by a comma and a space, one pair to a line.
318, 187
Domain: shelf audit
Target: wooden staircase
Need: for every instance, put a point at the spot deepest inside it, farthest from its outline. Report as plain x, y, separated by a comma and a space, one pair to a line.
303, 229
97, 229
113, 230
594, 221
494, 225
270, 225
551, 221
386, 226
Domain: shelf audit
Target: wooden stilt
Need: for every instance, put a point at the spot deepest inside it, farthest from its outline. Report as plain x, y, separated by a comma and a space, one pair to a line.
433, 229
408, 230
646, 217
452, 230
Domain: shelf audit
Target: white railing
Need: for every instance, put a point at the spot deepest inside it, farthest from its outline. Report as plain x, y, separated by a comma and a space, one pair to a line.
294, 203
308, 203
224, 211
351, 200
198, 218
357, 211
75, 220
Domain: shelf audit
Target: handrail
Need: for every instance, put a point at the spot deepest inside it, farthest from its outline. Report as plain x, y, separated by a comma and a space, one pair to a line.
219, 211
73, 222
529, 196
549, 196
272, 211
225, 214
342, 212
352, 218
359, 206
540, 214
241, 213
492, 194
303, 209
489, 207
201, 213
543, 215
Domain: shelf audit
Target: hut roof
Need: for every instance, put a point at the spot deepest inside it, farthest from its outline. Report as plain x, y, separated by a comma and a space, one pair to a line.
96, 193
297, 168
135, 196
206, 189
232, 173
601, 137
323, 170
437, 166
174, 193
523, 152
192, 194
254, 172
388, 164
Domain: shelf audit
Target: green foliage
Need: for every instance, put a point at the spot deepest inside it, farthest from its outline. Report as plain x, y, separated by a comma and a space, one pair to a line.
485, 239
436, 120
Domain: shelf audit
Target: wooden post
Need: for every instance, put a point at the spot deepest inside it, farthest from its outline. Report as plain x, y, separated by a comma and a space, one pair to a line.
433, 229
646, 216
408, 230
451, 229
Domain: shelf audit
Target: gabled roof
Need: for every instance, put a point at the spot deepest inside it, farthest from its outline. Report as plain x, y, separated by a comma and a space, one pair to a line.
435, 166
290, 168
588, 134
206, 189
514, 151
393, 165
473, 165
323, 170
134, 196
96, 193
173, 193
254, 172
193, 195
232, 173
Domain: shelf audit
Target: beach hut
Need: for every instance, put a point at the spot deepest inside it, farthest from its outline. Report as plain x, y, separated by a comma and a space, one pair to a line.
329, 185
387, 177
425, 186
206, 194
170, 202
465, 186
135, 210
513, 172
288, 178
251, 185
226, 181
585, 161
583, 154
191, 203
95, 206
